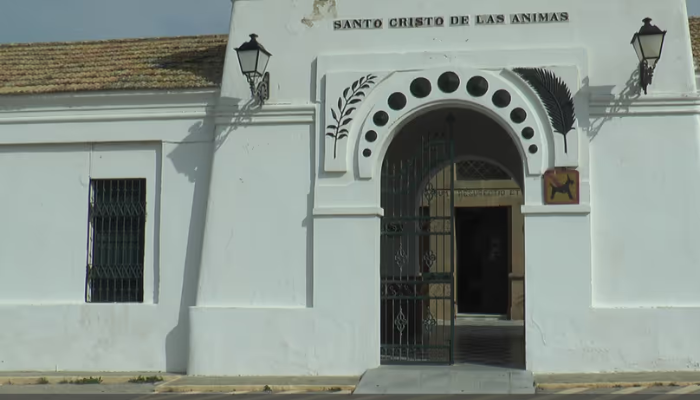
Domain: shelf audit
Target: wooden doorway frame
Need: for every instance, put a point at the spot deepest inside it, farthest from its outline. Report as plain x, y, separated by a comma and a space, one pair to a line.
499, 193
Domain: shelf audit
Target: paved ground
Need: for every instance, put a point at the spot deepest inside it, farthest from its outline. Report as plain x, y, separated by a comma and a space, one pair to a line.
145, 391
648, 392
647, 378
128, 388
647, 386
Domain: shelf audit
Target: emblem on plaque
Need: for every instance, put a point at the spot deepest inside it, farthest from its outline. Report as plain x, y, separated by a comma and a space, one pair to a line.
561, 186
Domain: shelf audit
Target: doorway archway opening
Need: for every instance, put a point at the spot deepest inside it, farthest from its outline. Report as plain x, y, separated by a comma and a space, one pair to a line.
452, 249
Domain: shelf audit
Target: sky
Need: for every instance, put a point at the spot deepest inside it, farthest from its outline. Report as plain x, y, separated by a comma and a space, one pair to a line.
68, 20
693, 7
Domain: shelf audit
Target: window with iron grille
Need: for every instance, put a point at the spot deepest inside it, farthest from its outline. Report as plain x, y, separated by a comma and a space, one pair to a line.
477, 170
116, 240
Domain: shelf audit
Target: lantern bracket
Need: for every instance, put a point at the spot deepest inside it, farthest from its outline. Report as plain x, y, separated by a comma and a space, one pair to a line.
259, 88
646, 75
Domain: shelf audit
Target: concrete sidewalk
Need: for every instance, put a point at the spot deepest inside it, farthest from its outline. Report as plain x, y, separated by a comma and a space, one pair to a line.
120, 382
617, 380
166, 382
260, 384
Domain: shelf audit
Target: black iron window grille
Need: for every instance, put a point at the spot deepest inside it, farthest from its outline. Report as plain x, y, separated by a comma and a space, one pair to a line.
116, 241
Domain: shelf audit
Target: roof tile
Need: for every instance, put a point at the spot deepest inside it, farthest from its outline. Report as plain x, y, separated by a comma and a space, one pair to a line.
694, 23
184, 62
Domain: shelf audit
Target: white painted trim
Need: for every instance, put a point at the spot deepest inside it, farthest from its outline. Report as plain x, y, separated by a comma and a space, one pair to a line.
48, 136
349, 211
102, 98
642, 99
268, 114
82, 304
145, 106
556, 209
260, 307
147, 167
669, 104
533, 164
690, 307
158, 114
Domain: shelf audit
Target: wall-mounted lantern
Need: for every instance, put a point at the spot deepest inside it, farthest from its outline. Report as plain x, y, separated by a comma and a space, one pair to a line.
253, 59
648, 43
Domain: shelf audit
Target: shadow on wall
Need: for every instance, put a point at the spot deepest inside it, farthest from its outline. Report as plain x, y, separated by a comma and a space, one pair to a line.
177, 340
619, 104
198, 171
308, 222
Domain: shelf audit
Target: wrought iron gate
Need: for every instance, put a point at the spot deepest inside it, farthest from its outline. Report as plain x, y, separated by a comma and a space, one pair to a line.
417, 254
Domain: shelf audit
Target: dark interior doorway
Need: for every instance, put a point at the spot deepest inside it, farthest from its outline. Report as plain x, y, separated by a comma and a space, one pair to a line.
483, 255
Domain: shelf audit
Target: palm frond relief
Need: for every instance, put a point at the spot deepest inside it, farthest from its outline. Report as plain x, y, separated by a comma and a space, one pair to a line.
555, 96
347, 104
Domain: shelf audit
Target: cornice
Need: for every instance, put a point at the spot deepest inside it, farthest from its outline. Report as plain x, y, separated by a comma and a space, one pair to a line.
113, 107
267, 114
30, 120
351, 211
105, 99
644, 105
557, 209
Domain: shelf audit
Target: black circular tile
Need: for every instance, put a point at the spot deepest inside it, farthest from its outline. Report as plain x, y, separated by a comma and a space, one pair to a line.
397, 101
533, 148
366, 152
528, 133
380, 118
518, 115
477, 86
420, 87
448, 82
501, 98
371, 136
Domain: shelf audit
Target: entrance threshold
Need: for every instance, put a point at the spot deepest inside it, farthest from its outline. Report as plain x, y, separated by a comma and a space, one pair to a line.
486, 320
482, 316
443, 379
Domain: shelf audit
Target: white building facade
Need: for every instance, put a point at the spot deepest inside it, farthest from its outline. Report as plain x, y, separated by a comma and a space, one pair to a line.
222, 237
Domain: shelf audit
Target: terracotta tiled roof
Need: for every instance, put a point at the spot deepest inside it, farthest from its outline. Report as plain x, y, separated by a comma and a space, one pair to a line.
185, 62
695, 37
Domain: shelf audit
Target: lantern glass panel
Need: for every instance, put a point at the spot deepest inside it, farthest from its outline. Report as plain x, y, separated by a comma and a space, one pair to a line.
652, 44
637, 48
262, 59
248, 60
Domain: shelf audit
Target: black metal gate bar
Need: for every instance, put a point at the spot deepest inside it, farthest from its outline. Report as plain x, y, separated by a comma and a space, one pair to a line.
417, 255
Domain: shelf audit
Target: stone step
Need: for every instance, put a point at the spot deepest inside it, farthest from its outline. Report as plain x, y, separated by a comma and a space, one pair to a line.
455, 379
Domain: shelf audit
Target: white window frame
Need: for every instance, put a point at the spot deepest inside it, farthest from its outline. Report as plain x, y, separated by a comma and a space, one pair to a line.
129, 161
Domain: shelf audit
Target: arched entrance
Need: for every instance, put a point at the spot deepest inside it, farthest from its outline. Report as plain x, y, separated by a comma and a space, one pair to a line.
364, 114
447, 242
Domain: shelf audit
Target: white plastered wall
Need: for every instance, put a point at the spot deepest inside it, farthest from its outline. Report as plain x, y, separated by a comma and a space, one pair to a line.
50, 147
569, 319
